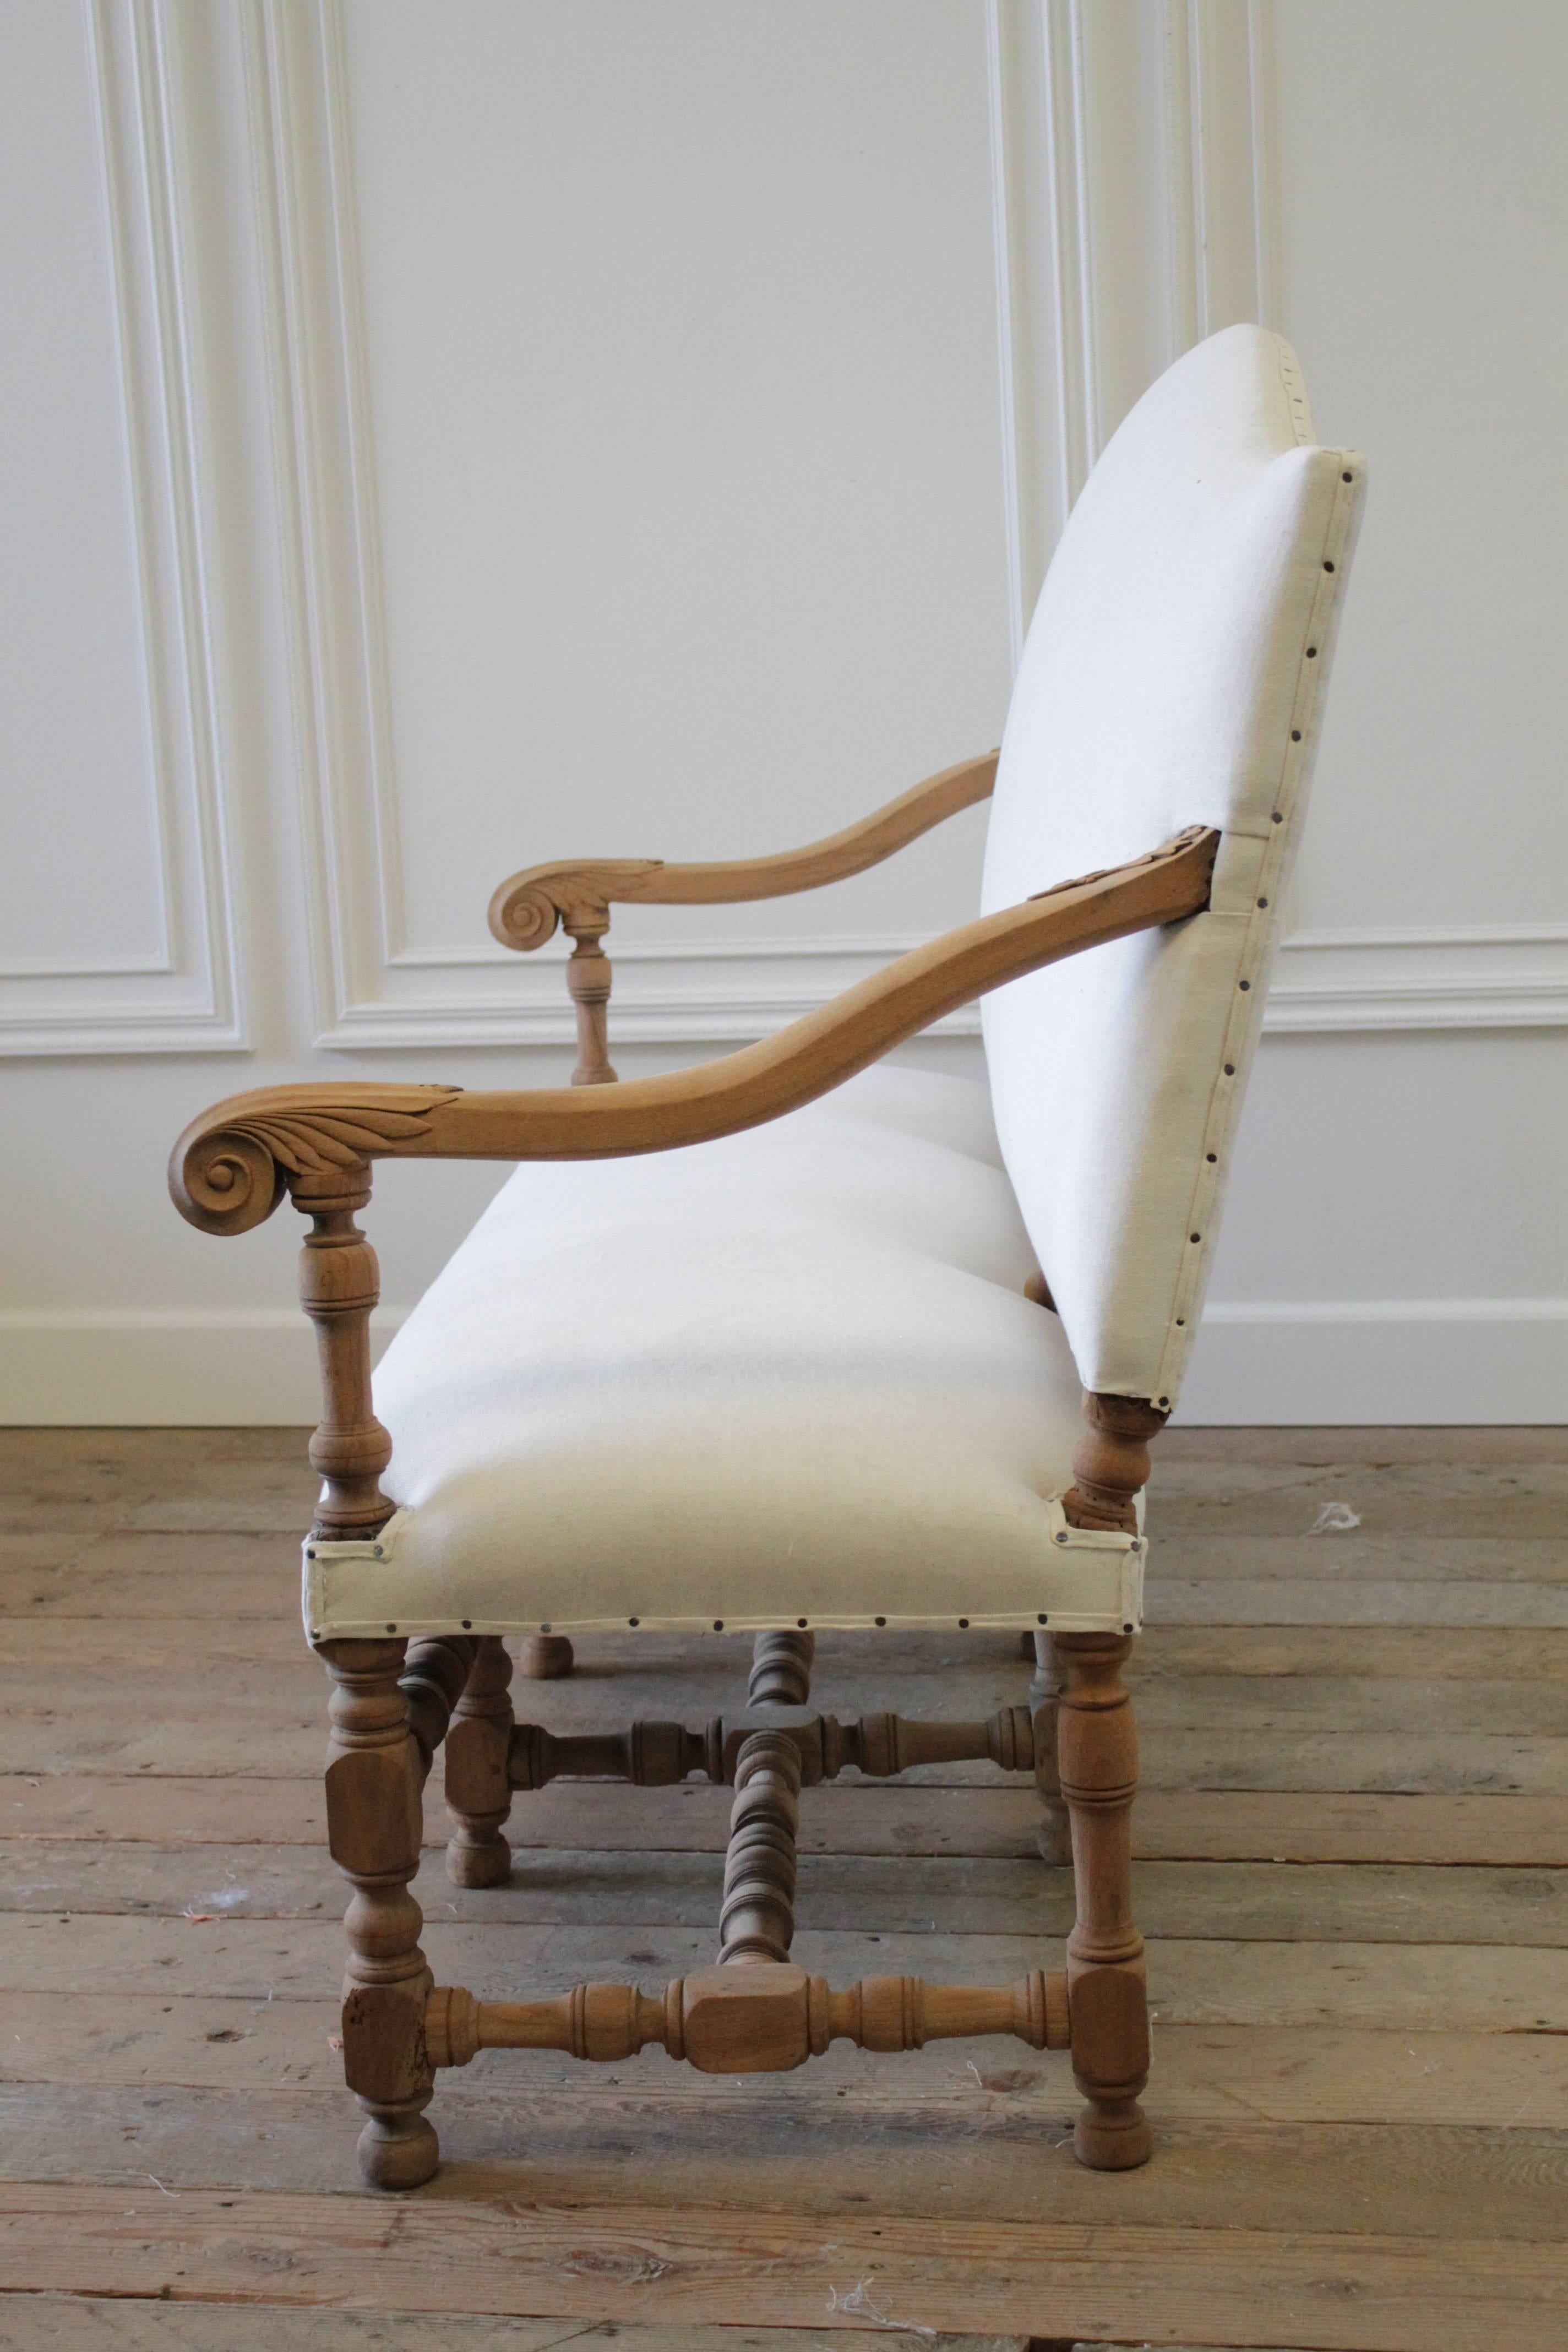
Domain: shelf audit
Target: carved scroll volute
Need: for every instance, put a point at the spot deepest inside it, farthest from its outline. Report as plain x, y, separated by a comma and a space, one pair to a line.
232, 1166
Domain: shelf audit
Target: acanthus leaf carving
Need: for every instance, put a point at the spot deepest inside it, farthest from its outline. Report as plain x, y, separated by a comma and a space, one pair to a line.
232, 1166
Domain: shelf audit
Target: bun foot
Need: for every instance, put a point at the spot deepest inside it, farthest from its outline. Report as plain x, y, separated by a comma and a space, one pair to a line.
1112, 2137
546, 1658
398, 2152
479, 1858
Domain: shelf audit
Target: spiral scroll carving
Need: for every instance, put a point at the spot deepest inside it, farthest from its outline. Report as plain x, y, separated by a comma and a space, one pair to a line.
525, 919
530, 907
230, 1169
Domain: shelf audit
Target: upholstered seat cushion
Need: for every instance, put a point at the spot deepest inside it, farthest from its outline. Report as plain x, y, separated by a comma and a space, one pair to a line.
790, 1375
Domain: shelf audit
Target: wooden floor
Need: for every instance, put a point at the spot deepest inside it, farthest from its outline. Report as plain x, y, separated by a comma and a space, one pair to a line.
1353, 1877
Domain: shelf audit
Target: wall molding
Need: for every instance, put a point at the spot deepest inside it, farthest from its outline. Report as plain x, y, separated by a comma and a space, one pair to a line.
1114, 250
185, 998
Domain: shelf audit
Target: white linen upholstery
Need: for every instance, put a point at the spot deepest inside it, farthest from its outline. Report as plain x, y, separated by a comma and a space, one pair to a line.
792, 1374
1172, 676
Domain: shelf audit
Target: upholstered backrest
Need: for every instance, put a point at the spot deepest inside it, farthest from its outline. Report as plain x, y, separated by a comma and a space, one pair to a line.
1172, 676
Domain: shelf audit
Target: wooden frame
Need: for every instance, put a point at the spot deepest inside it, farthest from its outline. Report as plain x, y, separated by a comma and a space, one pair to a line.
530, 907
394, 1701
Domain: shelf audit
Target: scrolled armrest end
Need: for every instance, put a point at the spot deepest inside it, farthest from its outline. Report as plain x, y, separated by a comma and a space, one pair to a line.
531, 906
233, 1165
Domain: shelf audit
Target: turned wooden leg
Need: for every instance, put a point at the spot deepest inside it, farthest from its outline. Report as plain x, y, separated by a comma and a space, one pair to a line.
781, 1669
757, 1920
373, 1817
1097, 1755
1054, 1834
546, 1658
479, 1770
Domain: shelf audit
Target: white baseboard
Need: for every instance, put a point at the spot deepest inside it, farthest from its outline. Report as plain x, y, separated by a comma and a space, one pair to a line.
1293, 1363
1283, 1363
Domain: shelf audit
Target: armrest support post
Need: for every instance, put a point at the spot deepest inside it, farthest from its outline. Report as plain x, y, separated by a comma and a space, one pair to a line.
340, 1282
588, 978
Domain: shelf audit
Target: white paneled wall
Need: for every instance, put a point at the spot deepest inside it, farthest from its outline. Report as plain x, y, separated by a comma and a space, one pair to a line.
438, 437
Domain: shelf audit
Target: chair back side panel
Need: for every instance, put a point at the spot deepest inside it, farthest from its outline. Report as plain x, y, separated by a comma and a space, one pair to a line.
1172, 676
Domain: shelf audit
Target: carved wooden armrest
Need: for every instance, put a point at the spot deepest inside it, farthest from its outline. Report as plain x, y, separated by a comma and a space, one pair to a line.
231, 1167
577, 893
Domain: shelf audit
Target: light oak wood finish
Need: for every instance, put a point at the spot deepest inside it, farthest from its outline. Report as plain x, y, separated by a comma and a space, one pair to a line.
373, 1832
654, 1754
230, 1168
766, 2019
545, 1657
478, 1786
780, 1668
528, 906
756, 1919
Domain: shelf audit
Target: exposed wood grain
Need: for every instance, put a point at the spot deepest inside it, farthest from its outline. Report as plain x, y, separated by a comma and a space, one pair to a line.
225, 1170
1336, 1448
527, 908
1367, 2054
651, 2263
1268, 1902
1510, 1989
1208, 2074
64, 2323
122, 1741
952, 2150
1375, 1601
1218, 1825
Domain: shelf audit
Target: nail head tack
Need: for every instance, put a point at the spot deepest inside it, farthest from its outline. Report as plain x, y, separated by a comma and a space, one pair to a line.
1311, 653
1327, 567
467, 1624
1263, 902
964, 1624
718, 1625
881, 1621
801, 1622
1295, 734
1347, 477
1195, 1237
391, 1629
1244, 983
1043, 1619
1211, 1157
1230, 1069
634, 1620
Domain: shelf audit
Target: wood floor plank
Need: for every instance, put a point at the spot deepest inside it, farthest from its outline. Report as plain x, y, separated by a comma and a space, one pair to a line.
1352, 1556
958, 2151
229, 1743
1362, 2293
1205, 1825
1338, 1448
1266, 1902
1376, 1602
1360, 2086
1267, 2074
1209, 1980
59, 2323
273, 1694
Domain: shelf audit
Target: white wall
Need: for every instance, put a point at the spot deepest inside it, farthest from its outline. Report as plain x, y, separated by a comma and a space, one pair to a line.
445, 436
